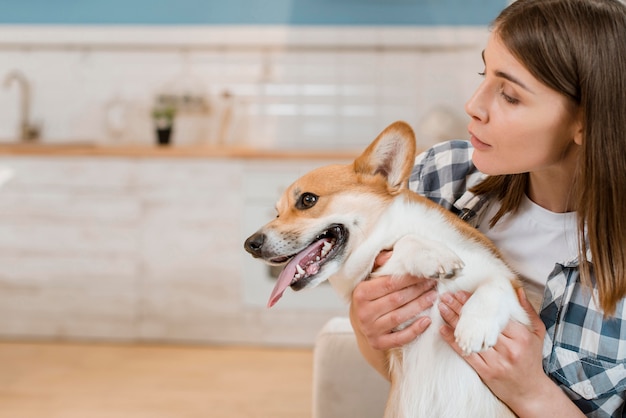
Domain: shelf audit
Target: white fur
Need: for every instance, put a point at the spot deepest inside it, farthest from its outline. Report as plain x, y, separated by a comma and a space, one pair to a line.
432, 379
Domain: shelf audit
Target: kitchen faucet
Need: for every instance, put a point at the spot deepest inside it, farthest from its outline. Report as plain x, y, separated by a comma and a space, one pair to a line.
28, 130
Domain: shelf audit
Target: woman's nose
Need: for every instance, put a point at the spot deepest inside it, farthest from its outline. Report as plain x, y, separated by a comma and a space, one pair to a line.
476, 107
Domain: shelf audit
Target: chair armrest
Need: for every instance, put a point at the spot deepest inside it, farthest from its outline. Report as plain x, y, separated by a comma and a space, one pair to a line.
344, 385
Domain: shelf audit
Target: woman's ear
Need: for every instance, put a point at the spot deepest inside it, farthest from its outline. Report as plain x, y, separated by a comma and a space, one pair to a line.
578, 128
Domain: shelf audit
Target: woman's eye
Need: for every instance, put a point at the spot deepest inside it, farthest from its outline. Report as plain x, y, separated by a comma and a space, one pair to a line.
306, 201
507, 98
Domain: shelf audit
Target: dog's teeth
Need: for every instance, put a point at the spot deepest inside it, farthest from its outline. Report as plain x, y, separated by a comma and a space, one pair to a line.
300, 270
326, 248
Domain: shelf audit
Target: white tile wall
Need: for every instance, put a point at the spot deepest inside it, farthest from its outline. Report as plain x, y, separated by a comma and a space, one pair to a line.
293, 87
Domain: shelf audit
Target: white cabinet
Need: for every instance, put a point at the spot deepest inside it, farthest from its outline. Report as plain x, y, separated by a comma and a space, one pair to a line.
147, 249
68, 248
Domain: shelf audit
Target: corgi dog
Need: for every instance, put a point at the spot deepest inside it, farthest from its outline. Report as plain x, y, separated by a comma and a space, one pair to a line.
331, 225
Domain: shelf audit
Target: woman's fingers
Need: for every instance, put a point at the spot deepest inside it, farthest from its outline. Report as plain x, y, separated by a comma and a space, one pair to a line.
390, 303
450, 306
383, 303
382, 258
378, 287
405, 336
536, 323
417, 301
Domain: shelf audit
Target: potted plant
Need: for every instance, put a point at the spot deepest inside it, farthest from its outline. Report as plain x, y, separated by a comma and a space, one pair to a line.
163, 116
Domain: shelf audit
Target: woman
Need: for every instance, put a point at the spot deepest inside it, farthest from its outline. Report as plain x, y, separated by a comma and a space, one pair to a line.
545, 179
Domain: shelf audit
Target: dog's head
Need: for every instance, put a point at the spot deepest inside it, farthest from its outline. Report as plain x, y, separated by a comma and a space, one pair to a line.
327, 213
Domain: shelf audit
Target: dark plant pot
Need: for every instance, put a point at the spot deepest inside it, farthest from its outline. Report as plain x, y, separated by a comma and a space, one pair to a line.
164, 135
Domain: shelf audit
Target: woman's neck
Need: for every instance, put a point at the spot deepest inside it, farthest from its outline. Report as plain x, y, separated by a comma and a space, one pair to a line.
552, 187
552, 190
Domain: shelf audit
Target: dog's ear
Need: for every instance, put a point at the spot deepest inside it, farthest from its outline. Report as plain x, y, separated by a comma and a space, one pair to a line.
392, 155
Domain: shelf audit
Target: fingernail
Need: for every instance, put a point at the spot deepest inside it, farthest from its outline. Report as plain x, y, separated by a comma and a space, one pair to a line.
461, 296
432, 296
444, 308
446, 298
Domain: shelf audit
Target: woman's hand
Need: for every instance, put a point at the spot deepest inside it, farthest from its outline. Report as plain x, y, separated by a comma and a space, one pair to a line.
513, 367
381, 304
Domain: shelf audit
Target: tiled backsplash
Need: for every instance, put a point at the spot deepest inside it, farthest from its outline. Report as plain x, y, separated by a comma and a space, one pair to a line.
284, 87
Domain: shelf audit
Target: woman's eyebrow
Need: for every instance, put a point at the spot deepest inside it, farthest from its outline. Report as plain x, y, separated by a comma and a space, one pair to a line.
512, 79
506, 76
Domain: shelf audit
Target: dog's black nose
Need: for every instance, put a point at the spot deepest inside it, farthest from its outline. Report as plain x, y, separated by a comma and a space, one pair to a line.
254, 244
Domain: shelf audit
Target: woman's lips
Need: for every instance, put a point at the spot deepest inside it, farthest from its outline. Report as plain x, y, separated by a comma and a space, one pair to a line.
477, 143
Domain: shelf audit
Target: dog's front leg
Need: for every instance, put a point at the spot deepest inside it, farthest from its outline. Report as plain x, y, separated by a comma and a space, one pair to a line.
421, 257
486, 313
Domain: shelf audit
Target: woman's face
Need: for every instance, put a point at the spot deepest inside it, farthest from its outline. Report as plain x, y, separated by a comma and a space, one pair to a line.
518, 124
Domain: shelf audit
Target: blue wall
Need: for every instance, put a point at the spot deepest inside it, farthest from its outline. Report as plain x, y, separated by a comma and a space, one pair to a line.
245, 12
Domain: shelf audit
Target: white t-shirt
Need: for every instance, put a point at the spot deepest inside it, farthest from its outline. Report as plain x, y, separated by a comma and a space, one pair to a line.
534, 239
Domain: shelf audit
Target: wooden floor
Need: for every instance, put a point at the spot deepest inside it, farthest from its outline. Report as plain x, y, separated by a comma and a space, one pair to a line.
137, 381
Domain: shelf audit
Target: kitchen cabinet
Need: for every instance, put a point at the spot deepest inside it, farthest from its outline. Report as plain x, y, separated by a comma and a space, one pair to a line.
146, 249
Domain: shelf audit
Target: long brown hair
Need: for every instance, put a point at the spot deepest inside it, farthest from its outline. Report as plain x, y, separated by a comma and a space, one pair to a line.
578, 48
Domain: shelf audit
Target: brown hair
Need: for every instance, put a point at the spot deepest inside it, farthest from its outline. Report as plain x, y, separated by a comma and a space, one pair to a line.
578, 48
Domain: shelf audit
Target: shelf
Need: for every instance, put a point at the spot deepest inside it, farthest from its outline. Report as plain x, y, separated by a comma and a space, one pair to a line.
153, 151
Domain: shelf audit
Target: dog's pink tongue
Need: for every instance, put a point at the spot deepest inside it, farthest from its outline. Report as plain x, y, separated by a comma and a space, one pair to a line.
286, 276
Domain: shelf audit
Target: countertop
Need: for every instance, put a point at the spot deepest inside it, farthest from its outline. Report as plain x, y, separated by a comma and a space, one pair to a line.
171, 151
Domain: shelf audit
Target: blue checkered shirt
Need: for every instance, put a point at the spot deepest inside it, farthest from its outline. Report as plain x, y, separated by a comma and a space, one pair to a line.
584, 352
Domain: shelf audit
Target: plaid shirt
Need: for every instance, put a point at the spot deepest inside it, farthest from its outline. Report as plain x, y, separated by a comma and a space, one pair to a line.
583, 352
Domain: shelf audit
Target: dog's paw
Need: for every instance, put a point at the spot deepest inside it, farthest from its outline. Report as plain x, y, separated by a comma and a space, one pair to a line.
436, 261
483, 317
485, 314
445, 267
429, 258
474, 334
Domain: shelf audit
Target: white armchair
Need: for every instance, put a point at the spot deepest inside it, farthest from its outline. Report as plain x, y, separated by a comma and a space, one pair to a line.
344, 385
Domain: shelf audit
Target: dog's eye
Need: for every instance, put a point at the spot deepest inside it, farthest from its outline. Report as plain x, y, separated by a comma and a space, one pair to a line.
306, 201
